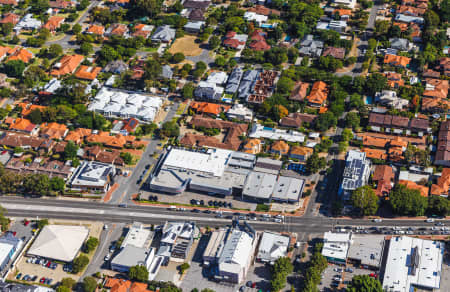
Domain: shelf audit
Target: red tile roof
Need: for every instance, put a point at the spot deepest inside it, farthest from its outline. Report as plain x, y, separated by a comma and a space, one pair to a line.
68, 65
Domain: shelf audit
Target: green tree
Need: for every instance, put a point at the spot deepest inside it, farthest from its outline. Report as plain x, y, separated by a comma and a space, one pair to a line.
63, 289
39, 6
375, 83
365, 200
138, 273
127, 157
86, 48
364, 283
14, 68
220, 61
68, 282
280, 270
80, 263
326, 121
188, 90
183, 268
70, 151
170, 129
347, 134
36, 184
439, 206
4, 221
57, 184
7, 28
352, 120
35, 116
285, 85
214, 42
153, 69
177, 58
314, 163
33, 75
89, 284
55, 50
408, 202
42, 223
148, 8
76, 28
90, 244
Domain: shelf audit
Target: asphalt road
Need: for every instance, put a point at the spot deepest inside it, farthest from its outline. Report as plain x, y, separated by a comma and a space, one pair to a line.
20, 207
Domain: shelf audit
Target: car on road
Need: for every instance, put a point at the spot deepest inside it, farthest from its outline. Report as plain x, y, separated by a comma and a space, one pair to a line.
196, 210
429, 220
377, 220
108, 257
277, 220
440, 224
123, 205
349, 270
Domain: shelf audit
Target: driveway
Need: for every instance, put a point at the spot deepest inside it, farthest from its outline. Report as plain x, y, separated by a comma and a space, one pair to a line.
204, 57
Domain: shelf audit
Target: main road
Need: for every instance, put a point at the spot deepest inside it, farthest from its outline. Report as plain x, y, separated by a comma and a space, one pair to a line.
93, 211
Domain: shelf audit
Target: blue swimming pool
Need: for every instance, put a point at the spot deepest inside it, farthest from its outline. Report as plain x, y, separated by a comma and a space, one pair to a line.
368, 100
267, 25
287, 38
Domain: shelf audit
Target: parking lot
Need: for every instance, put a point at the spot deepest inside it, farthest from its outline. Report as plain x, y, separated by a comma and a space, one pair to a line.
338, 277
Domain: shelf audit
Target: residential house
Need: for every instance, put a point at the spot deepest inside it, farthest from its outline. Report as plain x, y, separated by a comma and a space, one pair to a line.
300, 91
12, 140
53, 131
318, 95
258, 19
62, 4
444, 66
208, 108
197, 14
164, 34
234, 80
252, 146
339, 26
394, 79
429, 73
67, 65
20, 54
240, 112
125, 127
435, 105
262, 87
96, 30
117, 141
347, 3
301, 153
194, 26
53, 23
263, 10
166, 72
208, 90
412, 185
400, 44
9, 2
384, 178
409, 19
296, 120
258, 41
436, 88
389, 98
121, 285
28, 22
27, 108
411, 10
310, 47
443, 145
196, 4
338, 53
279, 148
51, 168
87, 72
24, 125
78, 135
142, 30
344, 14
397, 61
116, 67
118, 29
235, 41
10, 18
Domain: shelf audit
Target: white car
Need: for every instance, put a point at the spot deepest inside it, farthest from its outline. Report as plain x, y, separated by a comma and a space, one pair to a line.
430, 220
107, 257
378, 220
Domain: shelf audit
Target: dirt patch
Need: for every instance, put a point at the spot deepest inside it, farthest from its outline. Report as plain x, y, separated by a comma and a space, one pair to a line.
109, 193
186, 45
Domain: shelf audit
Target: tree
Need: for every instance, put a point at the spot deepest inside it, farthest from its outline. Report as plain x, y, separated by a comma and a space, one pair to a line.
55, 50
39, 6
405, 201
76, 28
364, 283
148, 8
183, 268
431, 18
36, 184
280, 270
285, 85
42, 223
68, 282
89, 284
347, 134
279, 112
439, 206
80, 263
188, 90
127, 157
365, 200
63, 289
86, 48
57, 184
314, 163
138, 273
153, 69
14, 68
70, 151
90, 244
33, 75
326, 121
35, 116
177, 58
4, 221
170, 129
220, 61
375, 83
7, 28
352, 120
214, 42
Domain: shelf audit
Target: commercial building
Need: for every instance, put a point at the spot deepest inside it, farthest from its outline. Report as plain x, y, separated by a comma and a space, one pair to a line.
272, 246
126, 104
14, 287
356, 173
59, 242
92, 176
288, 190
260, 131
215, 246
366, 251
130, 256
177, 239
138, 236
336, 246
9, 245
259, 186
215, 171
413, 263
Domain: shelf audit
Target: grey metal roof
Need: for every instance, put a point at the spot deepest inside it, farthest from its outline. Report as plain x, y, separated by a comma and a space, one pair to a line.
130, 256
259, 185
233, 80
167, 72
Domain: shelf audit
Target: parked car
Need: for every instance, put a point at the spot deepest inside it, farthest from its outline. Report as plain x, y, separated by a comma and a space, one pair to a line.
107, 257
42, 280
19, 275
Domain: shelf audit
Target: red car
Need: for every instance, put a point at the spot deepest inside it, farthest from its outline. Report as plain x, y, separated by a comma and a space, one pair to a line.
48, 264
26, 222
42, 280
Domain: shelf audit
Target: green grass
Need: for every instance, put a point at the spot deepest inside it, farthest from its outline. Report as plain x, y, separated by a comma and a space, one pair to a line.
262, 208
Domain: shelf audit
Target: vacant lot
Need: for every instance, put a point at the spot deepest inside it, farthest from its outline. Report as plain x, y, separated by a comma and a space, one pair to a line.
186, 45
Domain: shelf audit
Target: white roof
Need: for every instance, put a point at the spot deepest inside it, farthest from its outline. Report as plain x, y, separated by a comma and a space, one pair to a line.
59, 242
413, 262
137, 236
252, 16
213, 162
336, 245
236, 252
5, 250
259, 131
217, 78
272, 246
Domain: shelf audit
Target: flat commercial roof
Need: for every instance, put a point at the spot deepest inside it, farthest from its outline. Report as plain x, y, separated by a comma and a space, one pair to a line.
215, 244
130, 256
59, 242
336, 245
272, 246
368, 249
259, 185
137, 236
288, 189
413, 262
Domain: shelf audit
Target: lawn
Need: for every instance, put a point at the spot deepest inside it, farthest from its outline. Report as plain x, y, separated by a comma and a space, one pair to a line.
186, 45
